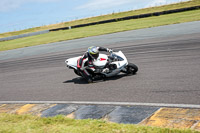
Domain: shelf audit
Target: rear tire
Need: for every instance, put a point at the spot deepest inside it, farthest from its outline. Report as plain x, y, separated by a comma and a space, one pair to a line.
131, 68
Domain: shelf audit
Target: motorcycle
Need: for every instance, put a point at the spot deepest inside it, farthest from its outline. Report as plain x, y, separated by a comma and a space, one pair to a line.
105, 66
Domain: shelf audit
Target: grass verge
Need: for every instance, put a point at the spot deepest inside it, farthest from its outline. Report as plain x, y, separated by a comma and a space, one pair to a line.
10, 123
106, 17
101, 29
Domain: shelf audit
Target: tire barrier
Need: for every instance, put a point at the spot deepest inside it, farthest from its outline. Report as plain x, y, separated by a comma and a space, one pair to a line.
23, 35
103, 22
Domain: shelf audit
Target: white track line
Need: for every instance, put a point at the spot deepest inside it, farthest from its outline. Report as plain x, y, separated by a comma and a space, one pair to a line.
104, 103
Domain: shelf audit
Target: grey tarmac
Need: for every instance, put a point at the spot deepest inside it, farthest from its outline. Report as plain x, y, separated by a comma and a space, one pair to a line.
168, 61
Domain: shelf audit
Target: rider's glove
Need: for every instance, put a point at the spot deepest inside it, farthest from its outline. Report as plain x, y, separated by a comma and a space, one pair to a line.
109, 50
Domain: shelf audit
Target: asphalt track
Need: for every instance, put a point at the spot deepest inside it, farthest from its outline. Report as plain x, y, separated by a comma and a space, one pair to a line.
169, 72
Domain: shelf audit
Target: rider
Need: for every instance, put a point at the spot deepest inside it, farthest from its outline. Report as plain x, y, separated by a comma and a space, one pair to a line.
91, 55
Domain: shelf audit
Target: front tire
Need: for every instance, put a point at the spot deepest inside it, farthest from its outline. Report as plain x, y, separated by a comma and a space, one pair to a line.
131, 68
77, 72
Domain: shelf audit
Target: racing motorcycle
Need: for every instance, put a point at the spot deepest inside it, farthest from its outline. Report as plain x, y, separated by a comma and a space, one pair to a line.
105, 65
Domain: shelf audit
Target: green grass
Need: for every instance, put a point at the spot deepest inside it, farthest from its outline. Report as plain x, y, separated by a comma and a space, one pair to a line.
101, 29
10, 123
106, 17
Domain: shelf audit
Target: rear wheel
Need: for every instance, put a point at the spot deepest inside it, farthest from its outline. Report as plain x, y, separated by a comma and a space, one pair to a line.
131, 68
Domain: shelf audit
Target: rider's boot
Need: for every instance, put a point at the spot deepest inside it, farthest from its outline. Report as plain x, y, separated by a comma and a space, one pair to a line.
87, 77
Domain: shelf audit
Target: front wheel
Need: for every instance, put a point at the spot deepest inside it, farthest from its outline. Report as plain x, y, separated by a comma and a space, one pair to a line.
131, 68
77, 72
